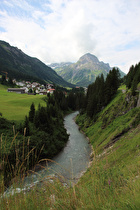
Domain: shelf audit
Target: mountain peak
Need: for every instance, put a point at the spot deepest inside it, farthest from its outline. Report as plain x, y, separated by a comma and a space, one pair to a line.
88, 58
84, 71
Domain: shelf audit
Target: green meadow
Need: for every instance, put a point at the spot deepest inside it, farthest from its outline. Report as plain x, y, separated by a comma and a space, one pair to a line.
14, 106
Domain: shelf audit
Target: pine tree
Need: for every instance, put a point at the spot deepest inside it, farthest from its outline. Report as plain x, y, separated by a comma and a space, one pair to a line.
10, 82
134, 87
130, 76
32, 112
133, 78
3, 80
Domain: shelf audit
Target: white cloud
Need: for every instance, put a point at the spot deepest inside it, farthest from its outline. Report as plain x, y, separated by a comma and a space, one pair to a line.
64, 30
8, 3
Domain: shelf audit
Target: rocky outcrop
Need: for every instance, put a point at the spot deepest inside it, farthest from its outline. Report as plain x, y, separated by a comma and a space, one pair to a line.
138, 103
131, 101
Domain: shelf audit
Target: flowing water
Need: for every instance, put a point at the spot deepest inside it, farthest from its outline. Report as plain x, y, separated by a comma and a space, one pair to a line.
68, 165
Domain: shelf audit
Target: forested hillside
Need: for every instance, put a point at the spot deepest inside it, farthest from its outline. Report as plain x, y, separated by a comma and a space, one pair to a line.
114, 132
20, 66
133, 78
101, 92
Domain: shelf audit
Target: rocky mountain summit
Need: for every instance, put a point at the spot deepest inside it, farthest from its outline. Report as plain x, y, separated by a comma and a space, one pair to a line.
84, 71
89, 60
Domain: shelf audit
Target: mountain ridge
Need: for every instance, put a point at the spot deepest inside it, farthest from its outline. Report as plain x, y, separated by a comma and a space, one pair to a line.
84, 71
19, 65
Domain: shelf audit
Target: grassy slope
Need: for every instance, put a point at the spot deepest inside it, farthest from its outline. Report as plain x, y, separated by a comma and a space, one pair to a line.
15, 106
112, 181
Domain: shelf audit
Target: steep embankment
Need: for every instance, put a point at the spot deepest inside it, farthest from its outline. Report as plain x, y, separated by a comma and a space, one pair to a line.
116, 119
113, 179
138, 103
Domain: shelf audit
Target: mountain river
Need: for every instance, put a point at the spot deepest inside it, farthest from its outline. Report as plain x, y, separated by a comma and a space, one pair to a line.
68, 165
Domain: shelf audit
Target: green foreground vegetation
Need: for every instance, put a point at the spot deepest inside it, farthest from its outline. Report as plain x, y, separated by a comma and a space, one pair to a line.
112, 181
40, 134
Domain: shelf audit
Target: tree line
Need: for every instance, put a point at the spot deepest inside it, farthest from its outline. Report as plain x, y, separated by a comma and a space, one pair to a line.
101, 92
133, 78
3, 81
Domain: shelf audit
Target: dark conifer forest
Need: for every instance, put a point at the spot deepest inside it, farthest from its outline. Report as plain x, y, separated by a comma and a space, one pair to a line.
101, 92
133, 78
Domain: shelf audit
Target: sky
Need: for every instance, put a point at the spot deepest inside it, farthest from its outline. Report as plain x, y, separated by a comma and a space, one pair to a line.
65, 30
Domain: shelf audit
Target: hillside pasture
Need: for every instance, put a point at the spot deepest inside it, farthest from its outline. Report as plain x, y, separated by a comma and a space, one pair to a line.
14, 106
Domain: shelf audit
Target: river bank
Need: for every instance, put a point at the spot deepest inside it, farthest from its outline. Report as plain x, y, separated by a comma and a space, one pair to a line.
74, 180
68, 166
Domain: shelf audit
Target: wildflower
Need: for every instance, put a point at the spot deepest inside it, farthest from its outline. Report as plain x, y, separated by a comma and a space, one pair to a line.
109, 182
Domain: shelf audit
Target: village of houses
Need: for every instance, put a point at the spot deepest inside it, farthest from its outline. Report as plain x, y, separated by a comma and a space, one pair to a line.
32, 88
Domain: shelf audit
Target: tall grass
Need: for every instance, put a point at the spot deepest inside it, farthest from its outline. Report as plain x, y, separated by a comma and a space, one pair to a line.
112, 182
14, 167
102, 187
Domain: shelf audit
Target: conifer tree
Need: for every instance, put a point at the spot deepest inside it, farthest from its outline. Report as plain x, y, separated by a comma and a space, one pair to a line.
3, 80
32, 112
133, 77
130, 76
